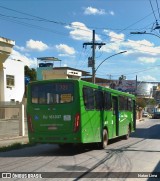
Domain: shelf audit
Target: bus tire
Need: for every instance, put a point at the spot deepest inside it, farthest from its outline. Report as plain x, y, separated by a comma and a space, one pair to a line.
104, 139
128, 133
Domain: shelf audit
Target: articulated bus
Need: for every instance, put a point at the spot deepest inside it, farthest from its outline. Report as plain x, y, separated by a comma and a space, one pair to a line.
68, 111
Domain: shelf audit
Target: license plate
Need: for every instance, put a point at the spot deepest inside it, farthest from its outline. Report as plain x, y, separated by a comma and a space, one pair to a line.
52, 128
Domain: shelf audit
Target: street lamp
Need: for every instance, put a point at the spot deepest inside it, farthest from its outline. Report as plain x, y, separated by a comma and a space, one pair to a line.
107, 59
144, 32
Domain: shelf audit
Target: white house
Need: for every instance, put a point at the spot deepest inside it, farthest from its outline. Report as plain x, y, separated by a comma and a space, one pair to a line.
13, 78
11, 74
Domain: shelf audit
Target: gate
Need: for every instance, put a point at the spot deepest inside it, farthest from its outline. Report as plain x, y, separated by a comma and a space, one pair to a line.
12, 119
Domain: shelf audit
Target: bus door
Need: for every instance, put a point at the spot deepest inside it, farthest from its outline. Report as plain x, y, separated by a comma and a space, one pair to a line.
134, 115
115, 115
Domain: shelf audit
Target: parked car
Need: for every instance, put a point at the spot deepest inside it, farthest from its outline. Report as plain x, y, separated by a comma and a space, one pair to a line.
145, 114
156, 115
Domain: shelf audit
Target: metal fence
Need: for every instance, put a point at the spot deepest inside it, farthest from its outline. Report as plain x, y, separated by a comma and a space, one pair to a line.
12, 119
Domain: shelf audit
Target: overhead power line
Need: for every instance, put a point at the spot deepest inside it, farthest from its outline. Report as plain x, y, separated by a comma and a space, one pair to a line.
37, 18
158, 8
153, 10
64, 23
138, 71
34, 26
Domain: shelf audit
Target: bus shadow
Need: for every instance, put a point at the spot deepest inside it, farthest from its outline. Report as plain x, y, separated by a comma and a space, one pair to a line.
54, 150
47, 150
147, 133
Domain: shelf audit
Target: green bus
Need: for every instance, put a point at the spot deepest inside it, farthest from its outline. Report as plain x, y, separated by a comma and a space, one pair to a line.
66, 111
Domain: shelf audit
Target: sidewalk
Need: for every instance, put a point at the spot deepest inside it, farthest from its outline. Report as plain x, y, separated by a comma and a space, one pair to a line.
10, 141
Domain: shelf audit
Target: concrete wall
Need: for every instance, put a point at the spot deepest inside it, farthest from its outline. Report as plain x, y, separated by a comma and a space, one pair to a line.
40, 70
1, 86
5, 49
60, 74
16, 69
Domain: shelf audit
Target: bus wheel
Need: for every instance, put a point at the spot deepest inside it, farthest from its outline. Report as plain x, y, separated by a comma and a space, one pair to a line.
105, 139
128, 133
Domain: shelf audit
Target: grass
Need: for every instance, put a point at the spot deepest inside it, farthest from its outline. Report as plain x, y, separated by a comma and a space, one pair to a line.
15, 146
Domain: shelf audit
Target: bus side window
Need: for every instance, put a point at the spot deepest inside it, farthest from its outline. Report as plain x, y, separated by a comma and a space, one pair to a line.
123, 103
88, 98
99, 100
130, 104
107, 101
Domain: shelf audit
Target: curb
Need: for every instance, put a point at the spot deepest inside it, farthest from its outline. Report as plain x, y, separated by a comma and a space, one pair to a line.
10, 141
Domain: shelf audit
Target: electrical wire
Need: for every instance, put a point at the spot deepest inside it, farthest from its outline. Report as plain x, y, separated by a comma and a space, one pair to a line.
158, 8
33, 26
67, 24
60, 23
36, 18
136, 72
39, 18
143, 70
153, 10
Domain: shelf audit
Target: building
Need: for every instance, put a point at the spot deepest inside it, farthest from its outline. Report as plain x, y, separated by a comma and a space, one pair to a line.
46, 71
146, 89
11, 74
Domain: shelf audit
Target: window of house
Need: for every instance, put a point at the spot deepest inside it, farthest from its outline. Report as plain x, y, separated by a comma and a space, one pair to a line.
10, 80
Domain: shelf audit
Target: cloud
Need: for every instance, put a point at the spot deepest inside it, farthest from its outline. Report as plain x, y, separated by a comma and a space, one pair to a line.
110, 47
112, 13
65, 50
94, 11
115, 43
79, 31
115, 36
147, 78
31, 62
36, 45
22, 49
142, 50
147, 59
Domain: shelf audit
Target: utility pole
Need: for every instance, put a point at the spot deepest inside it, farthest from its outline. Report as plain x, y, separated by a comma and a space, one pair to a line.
93, 46
110, 76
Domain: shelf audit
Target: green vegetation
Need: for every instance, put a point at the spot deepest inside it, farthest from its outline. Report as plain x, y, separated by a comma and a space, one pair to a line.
143, 102
30, 73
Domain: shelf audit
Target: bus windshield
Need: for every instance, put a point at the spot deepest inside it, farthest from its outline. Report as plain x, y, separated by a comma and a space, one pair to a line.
52, 93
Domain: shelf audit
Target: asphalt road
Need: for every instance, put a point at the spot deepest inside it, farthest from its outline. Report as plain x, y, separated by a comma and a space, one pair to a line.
132, 159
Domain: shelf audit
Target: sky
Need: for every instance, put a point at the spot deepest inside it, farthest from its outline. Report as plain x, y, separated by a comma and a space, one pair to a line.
58, 28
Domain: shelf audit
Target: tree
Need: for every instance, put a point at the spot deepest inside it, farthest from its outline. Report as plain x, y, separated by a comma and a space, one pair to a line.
141, 102
122, 77
31, 73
